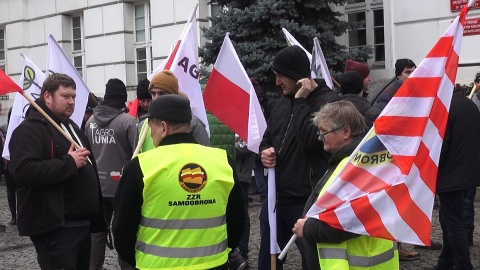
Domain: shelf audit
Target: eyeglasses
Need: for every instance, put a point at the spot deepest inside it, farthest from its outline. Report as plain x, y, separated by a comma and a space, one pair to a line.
322, 135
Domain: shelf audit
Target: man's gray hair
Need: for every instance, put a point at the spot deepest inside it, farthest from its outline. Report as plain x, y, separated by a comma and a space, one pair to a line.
340, 114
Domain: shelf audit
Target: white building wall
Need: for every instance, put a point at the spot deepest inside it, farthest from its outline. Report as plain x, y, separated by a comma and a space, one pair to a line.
108, 32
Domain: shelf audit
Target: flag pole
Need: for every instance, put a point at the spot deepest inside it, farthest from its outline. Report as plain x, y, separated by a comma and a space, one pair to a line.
65, 134
294, 237
273, 261
473, 91
141, 140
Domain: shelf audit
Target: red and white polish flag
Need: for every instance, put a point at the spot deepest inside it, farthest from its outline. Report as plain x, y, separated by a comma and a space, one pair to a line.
230, 96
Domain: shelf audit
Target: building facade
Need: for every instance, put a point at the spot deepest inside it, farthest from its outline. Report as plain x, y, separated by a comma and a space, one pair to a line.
128, 39
409, 29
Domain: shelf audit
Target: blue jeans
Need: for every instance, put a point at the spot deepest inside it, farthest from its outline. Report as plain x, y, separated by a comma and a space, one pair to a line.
287, 216
260, 179
455, 244
468, 208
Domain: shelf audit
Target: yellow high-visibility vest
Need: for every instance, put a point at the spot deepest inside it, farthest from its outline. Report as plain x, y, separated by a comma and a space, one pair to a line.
185, 195
359, 253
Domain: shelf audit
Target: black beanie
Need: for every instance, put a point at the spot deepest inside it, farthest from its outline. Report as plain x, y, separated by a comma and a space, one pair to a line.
292, 62
351, 82
142, 89
401, 64
170, 108
115, 90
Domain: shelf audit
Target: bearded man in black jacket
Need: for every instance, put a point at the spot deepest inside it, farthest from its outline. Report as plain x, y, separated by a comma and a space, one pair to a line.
290, 146
57, 185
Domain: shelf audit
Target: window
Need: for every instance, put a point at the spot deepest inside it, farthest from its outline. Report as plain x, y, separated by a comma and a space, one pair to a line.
358, 37
379, 36
77, 44
143, 47
2, 47
371, 32
141, 63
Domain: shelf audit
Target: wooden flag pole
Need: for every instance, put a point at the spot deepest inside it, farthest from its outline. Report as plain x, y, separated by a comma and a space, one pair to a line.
335, 82
141, 140
273, 261
473, 91
65, 134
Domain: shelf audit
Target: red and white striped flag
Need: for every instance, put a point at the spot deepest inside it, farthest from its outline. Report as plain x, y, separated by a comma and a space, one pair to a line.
387, 188
230, 96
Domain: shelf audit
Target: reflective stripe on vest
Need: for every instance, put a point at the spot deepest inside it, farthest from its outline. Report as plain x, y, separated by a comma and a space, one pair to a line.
181, 252
185, 195
179, 224
362, 252
358, 261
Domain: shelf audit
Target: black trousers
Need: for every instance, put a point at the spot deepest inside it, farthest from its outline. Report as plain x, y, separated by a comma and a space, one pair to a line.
455, 244
63, 248
11, 195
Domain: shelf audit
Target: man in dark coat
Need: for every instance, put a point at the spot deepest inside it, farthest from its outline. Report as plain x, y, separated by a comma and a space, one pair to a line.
57, 185
352, 90
458, 170
290, 146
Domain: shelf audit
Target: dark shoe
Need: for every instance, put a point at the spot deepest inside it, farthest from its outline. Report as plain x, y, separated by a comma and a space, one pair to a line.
438, 267
433, 246
236, 261
3, 228
407, 255
12, 222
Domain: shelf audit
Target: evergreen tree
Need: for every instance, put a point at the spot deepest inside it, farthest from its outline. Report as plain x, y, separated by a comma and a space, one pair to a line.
255, 28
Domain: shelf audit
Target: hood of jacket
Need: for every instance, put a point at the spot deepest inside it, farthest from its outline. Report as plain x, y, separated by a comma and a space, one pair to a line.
105, 114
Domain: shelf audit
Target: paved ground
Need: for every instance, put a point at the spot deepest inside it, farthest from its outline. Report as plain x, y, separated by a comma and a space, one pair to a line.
18, 253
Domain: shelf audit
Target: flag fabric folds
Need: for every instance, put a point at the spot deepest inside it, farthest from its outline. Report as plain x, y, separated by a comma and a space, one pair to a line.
183, 62
272, 215
7, 85
58, 62
387, 188
31, 79
316, 62
231, 97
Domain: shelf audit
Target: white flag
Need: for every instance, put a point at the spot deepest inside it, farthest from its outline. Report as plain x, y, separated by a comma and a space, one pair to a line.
183, 62
31, 81
316, 61
319, 62
58, 62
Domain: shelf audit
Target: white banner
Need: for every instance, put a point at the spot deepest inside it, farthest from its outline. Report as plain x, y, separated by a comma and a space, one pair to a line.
58, 62
31, 81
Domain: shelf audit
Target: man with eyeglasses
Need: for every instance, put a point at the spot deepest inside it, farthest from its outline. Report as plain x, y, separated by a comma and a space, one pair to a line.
403, 69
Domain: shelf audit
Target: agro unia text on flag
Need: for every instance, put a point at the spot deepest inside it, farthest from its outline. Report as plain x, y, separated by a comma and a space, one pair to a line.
387, 187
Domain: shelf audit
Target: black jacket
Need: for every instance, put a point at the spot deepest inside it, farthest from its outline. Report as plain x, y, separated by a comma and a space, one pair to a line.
51, 190
459, 166
369, 112
300, 158
128, 201
316, 231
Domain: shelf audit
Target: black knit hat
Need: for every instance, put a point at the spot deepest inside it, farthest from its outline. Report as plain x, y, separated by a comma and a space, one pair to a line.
401, 64
171, 108
351, 83
142, 89
115, 90
292, 62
